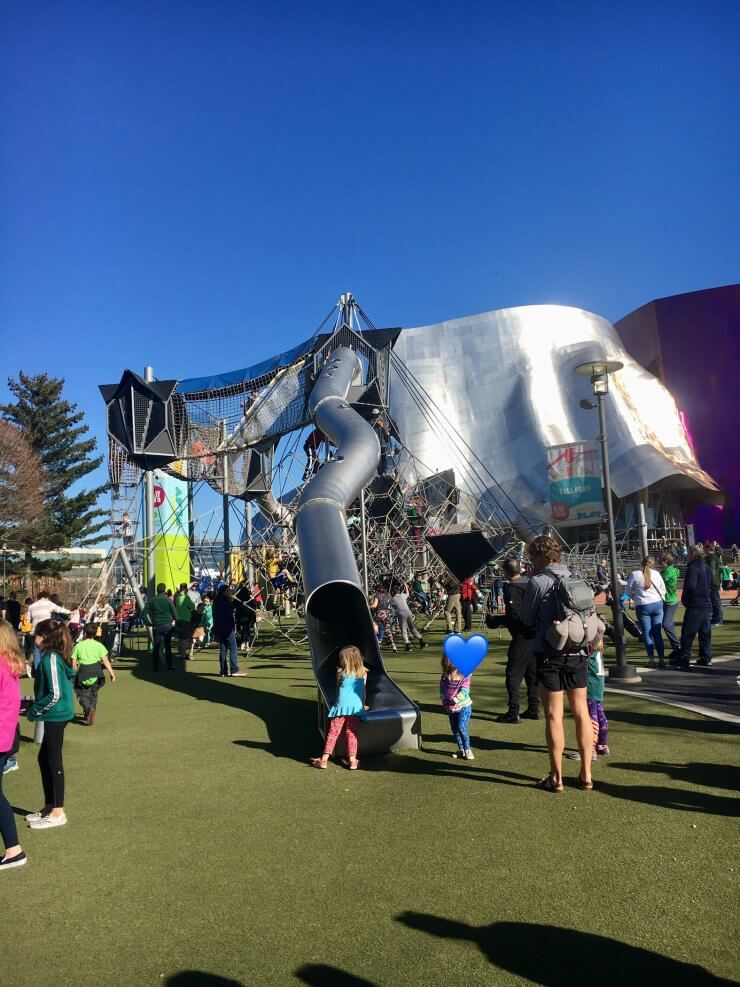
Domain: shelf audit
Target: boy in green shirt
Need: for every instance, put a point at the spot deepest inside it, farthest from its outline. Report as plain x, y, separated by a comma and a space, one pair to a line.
670, 604
89, 659
184, 607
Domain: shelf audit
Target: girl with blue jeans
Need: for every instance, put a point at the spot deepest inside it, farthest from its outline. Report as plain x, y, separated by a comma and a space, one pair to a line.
454, 691
646, 589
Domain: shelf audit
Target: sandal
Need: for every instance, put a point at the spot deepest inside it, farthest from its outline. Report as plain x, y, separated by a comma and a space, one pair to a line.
585, 786
548, 785
316, 762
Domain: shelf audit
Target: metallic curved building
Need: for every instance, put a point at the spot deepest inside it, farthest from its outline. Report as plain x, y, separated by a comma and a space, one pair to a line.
505, 382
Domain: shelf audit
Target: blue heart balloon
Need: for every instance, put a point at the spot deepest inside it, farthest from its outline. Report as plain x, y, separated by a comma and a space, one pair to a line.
465, 655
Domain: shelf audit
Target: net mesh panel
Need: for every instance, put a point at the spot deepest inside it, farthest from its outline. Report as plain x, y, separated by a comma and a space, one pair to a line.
345, 336
142, 411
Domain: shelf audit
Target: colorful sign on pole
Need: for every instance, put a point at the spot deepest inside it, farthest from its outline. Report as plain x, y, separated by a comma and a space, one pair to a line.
171, 542
574, 481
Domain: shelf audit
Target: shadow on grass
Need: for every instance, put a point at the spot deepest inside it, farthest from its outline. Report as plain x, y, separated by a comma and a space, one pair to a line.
321, 975
553, 957
665, 721
400, 763
196, 978
673, 798
481, 743
289, 720
725, 776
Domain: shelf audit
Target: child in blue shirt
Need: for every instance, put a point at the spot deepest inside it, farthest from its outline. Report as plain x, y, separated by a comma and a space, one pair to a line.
349, 708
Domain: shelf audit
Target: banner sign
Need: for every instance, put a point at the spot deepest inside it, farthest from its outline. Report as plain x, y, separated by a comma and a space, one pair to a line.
574, 482
171, 541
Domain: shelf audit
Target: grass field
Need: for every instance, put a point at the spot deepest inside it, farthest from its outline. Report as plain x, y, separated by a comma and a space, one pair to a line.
202, 846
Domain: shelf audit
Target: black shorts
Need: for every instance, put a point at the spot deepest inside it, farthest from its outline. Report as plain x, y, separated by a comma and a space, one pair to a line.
562, 672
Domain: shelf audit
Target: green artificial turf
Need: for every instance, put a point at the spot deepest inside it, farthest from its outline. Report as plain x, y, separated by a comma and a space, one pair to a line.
199, 839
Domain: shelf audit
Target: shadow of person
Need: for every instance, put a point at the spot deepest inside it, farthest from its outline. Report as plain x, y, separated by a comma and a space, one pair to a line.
725, 776
685, 799
410, 764
290, 720
480, 743
557, 957
321, 975
699, 724
196, 978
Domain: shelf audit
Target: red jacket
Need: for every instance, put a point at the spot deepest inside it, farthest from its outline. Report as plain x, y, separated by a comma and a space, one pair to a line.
468, 589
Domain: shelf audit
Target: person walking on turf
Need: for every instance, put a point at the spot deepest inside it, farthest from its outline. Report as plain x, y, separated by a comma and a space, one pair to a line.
184, 607
452, 604
557, 671
90, 662
54, 706
160, 613
520, 661
671, 575
454, 691
646, 589
405, 617
697, 619
383, 610
224, 632
713, 558
12, 667
349, 709
468, 590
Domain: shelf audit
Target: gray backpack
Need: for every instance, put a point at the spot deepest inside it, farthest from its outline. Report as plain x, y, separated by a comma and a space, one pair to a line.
576, 624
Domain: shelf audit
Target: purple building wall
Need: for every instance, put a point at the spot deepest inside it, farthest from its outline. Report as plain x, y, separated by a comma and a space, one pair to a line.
692, 342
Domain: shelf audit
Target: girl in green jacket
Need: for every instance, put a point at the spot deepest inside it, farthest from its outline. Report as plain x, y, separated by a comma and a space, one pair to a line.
54, 705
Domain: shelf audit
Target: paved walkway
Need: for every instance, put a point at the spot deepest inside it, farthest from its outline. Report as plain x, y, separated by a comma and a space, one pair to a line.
713, 691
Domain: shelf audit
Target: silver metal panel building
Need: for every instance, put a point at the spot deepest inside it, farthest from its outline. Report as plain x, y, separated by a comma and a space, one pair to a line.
505, 382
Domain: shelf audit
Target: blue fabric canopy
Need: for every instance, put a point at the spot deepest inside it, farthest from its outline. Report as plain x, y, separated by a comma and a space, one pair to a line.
218, 381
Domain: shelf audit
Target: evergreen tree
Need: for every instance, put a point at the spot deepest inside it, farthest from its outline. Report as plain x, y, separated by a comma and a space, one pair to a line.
55, 430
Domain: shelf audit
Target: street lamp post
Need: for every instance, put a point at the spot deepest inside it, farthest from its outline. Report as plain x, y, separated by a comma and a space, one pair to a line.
598, 371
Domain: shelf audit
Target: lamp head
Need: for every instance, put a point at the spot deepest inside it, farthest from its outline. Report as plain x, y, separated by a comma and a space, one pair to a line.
598, 371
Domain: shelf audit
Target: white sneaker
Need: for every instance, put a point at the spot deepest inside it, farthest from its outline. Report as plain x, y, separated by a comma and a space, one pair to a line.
33, 817
469, 756
238, 675
48, 822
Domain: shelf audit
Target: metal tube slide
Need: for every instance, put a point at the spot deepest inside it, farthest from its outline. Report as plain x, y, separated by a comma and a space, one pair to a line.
273, 510
337, 611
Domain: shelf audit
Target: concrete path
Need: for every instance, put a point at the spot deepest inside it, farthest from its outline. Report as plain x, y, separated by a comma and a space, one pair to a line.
713, 691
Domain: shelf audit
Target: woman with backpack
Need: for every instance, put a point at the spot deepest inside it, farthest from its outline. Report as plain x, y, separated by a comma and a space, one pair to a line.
561, 666
646, 589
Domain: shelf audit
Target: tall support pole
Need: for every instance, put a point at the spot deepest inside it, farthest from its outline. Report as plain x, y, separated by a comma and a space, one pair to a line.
621, 670
642, 520
227, 530
191, 525
363, 519
248, 538
149, 515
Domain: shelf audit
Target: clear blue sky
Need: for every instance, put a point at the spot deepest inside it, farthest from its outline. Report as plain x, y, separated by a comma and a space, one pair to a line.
194, 184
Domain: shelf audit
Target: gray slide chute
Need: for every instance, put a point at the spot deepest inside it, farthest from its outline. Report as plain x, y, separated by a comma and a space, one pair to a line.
337, 611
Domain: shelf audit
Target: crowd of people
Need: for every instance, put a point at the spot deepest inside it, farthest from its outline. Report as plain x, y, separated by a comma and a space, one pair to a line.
67, 651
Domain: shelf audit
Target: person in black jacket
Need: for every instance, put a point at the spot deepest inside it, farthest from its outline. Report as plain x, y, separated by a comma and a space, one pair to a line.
697, 599
224, 631
520, 660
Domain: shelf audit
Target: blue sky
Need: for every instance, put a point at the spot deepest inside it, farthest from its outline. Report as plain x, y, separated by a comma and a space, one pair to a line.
194, 184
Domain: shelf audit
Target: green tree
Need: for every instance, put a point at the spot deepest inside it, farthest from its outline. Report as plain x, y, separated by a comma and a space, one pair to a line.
56, 431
